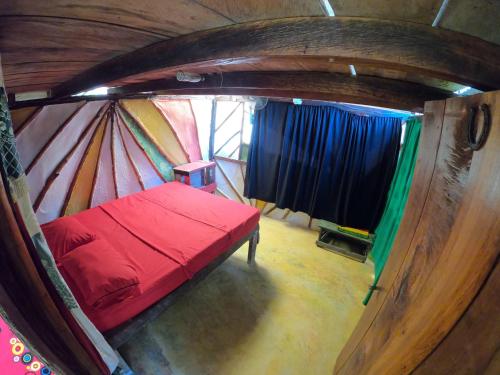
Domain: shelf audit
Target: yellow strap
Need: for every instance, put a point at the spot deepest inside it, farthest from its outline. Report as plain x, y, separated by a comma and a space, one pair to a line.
354, 230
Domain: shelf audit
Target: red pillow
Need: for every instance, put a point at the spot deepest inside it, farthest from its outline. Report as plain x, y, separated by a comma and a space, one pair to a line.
99, 275
66, 234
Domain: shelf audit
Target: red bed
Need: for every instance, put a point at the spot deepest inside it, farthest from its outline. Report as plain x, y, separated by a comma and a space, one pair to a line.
164, 236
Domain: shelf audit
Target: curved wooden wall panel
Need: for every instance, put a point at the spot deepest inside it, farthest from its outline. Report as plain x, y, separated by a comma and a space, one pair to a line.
452, 249
472, 347
47, 51
47, 43
428, 148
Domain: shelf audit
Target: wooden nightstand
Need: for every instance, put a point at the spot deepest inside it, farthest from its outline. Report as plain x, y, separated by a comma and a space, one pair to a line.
198, 174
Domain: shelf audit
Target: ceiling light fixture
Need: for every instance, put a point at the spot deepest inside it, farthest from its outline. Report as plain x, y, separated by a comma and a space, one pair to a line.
189, 77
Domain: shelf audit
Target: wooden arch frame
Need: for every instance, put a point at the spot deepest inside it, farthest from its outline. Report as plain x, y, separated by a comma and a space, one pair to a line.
306, 85
405, 46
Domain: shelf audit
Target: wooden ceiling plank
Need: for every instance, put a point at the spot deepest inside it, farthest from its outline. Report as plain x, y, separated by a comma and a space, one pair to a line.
421, 11
307, 85
45, 73
403, 45
46, 33
27, 43
253, 10
172, 17
54, 19
474, 17
71, 99
33, 66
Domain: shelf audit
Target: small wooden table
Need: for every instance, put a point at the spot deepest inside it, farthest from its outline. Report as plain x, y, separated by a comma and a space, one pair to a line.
199, 174
346, 244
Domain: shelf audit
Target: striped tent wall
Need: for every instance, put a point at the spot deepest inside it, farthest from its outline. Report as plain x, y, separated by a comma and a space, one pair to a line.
230, 177
231, 120
79, 155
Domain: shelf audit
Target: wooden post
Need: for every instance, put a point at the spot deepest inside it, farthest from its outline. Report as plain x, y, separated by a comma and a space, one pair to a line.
252, 246
446, 247
241, 131
212, 130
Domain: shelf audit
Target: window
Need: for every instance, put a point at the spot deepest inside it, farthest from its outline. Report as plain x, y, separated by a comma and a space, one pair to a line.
233, 129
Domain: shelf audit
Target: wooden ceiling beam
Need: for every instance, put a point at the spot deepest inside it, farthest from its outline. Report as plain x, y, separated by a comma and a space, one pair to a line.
398, 45
307, 85
71, 99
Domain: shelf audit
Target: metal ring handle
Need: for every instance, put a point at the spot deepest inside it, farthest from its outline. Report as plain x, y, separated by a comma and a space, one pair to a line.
474, 142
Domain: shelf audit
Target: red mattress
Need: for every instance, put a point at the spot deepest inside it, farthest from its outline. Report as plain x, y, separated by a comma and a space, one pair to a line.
168, 234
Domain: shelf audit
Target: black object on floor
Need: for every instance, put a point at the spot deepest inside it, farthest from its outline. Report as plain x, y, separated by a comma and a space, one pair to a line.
340, 242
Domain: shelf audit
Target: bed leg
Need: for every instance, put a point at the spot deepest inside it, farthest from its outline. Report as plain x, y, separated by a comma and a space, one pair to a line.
123, 368
252, 246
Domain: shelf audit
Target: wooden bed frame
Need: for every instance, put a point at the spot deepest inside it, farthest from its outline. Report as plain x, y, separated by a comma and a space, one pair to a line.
118, 336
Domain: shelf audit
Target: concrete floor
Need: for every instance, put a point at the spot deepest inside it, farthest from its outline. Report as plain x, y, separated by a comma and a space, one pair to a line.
290, 314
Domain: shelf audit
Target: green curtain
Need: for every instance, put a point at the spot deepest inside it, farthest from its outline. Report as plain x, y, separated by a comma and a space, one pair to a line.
396, 200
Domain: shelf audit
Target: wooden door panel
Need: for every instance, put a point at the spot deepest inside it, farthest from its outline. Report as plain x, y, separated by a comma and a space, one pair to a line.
428, 148
472, 345
451, 253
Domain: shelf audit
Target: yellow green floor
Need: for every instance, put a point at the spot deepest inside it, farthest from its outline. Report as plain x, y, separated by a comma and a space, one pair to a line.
290, 314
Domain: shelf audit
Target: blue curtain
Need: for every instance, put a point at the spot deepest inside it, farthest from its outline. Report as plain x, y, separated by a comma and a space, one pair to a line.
326, 162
